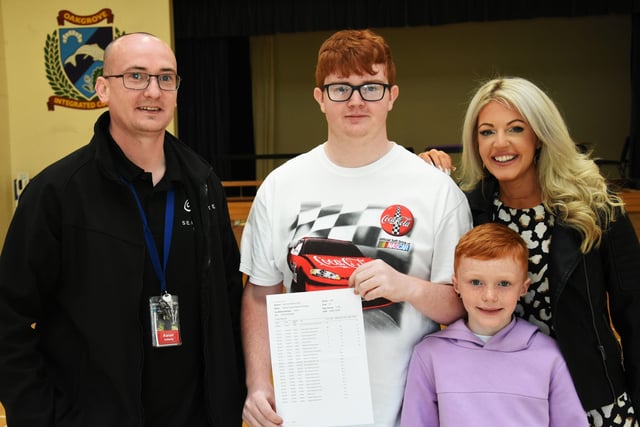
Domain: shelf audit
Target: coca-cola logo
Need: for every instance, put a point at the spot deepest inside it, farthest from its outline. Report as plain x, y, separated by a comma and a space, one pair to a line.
401, 221
338, 262
396, 220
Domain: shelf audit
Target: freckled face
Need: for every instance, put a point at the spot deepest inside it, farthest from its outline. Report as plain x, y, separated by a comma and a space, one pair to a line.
506, 143
490, 289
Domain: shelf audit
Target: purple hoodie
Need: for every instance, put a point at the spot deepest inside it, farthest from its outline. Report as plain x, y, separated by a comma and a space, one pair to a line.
518, 378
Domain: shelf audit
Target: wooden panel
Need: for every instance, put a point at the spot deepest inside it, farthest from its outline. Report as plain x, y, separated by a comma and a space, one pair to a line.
632, 201
254, 183
239, 203
241, 190
238, 212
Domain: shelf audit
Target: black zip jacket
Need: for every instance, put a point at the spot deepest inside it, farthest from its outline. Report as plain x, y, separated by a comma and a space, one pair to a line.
73, 263
579, 288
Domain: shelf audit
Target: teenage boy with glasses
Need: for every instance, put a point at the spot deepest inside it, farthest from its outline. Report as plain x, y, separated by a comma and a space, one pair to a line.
364, 189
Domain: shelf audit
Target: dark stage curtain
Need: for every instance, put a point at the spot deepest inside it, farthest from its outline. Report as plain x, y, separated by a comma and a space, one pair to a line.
634, 134
214, 102
227, 18
212, 47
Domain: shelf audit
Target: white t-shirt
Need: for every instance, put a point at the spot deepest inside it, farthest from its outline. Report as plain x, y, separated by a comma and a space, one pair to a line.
398, 209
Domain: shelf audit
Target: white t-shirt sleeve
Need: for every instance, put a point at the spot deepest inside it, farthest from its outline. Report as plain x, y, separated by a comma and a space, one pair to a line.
455, 222
257, 256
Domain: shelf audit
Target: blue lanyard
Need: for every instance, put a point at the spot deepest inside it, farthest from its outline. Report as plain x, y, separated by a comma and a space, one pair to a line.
148, 237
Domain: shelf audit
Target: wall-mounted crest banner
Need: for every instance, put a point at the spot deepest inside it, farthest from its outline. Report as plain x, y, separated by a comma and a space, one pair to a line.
74, 58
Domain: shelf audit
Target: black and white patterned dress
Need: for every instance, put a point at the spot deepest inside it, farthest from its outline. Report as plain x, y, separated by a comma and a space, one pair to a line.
535, 225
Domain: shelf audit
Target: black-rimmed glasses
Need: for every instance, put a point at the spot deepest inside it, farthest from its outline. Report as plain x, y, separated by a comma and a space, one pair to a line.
342, 92
140, 81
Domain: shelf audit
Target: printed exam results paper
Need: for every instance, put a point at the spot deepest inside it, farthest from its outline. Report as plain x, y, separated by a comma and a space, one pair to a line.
319, 358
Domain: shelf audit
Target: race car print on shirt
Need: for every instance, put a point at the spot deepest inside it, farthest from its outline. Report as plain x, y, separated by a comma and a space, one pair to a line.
323, 264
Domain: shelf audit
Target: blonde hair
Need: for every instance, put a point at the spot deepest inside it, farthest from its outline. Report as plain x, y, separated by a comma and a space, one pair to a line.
573, 189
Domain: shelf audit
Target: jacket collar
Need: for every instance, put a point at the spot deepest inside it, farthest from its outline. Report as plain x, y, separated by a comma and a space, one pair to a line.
193, 165
564, 256
481, 200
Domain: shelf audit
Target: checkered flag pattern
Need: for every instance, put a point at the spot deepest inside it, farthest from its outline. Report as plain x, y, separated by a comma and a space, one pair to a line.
361, 226
396, 223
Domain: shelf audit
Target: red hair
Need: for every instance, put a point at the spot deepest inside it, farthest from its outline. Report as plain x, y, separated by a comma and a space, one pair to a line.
354, 52
492, 240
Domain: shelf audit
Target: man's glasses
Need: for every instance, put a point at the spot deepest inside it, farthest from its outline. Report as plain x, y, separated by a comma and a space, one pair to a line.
140, 81
342, 92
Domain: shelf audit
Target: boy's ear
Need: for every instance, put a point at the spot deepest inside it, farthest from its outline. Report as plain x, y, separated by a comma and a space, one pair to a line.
525, 287
455, 283
394, 91
318, 95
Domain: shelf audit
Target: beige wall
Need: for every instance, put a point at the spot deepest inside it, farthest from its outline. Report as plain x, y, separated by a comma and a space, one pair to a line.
583, 63
6, 199
31, 137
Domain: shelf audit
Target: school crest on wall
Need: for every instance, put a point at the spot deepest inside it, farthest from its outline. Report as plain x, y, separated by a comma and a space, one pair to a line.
74, 58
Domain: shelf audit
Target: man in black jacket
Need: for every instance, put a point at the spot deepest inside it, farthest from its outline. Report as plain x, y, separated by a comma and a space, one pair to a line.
119, 281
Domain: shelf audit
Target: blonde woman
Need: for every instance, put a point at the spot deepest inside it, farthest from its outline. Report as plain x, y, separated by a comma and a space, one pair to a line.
521, 168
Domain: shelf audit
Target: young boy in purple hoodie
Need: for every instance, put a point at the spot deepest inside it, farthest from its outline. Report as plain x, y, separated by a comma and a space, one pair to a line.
491, 368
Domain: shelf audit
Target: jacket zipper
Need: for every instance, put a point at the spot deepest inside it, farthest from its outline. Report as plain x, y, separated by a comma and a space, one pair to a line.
601, 349
140, 347
206, 222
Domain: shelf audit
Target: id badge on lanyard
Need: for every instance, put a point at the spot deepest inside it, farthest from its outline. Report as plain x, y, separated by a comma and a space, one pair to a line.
163, 309
165, 321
